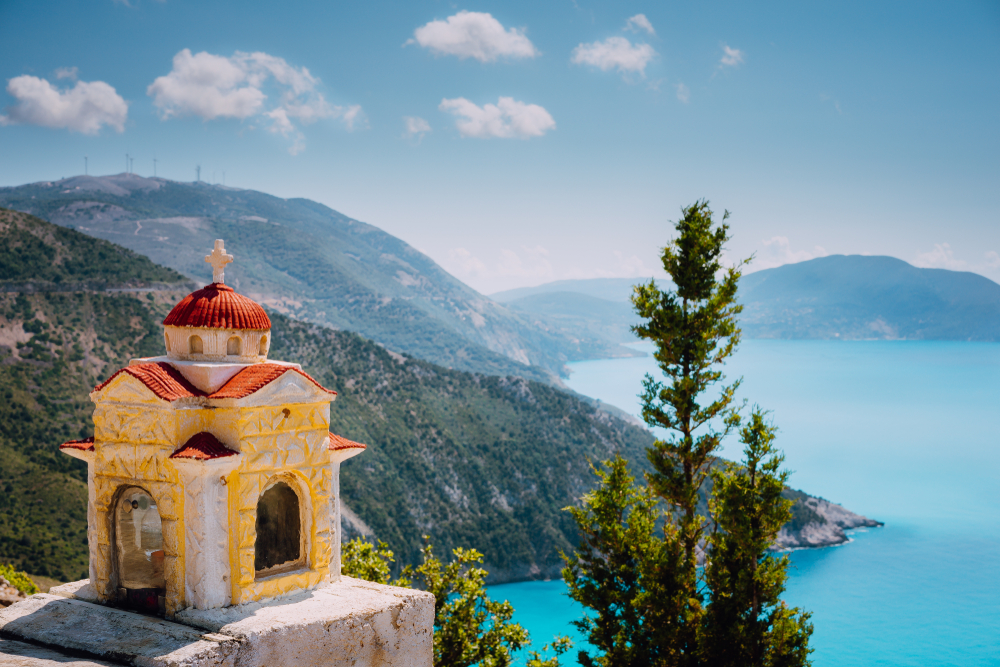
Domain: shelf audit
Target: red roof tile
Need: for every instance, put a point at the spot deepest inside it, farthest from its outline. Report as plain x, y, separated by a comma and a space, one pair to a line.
85, 445
159, 377
217, 306
337, 442
168, 384
255, 377
203, 447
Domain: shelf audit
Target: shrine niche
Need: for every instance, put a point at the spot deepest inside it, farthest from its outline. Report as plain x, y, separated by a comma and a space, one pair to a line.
279, 530
213, 476
138, 545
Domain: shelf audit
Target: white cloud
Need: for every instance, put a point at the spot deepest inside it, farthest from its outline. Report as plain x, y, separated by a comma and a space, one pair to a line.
731, 57
85, 107
683, 93
623, 267
416, 127
639, 22
353, 114
464, 264
532, 265
67, 73
777, 251
615, 53
506, 119
535, 265
836, 103
941, 257
211, 86
473, 35
206, 85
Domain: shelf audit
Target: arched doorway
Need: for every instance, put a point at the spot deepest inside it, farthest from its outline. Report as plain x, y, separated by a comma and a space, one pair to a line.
139, 552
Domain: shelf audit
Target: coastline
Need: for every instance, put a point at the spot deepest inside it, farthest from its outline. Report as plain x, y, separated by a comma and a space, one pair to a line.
818, 523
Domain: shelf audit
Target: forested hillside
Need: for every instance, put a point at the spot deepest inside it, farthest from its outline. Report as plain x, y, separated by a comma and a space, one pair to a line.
469, 459
54, 347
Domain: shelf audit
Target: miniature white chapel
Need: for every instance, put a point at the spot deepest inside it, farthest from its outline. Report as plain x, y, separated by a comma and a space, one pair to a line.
213, 477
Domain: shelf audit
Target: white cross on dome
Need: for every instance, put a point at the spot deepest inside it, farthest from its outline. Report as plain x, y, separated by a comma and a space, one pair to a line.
218, 259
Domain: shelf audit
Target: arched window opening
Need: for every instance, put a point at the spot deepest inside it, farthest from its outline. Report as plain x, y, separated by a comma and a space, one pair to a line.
234, 346
263, 346
195, 346
279, 542
139, 547
166, 341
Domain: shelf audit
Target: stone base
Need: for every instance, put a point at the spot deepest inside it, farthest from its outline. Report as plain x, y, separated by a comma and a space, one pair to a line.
19, 654
351, 622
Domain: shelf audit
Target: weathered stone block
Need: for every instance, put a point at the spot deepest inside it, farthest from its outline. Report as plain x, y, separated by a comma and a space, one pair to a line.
19, 654
351, 623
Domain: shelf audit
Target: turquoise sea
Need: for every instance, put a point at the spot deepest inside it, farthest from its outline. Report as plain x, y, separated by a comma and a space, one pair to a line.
904, 432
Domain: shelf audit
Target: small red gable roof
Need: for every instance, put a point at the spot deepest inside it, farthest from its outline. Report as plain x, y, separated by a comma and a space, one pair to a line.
337, 442
203, 447
217, 306
252, 378
85, 445
160, 378
168, 384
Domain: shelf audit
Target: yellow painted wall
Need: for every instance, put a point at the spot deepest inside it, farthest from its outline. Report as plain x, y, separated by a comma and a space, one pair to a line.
134, 439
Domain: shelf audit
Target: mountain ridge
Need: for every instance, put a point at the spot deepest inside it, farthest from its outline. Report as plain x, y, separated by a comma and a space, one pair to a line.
312, 263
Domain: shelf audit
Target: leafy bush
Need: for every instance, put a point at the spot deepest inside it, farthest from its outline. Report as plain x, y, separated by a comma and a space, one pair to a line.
469, 627
18, 580
371, 562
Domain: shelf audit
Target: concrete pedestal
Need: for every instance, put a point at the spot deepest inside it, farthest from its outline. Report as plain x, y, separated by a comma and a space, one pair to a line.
351, 622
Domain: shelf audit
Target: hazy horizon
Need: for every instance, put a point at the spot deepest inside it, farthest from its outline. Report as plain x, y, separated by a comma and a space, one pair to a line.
517, 144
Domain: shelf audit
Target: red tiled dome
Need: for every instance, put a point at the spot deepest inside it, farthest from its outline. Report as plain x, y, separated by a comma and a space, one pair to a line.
217, 306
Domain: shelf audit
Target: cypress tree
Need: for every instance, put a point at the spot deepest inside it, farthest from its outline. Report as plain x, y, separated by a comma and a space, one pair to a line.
694, 329
745, 622
643, 583
625, 570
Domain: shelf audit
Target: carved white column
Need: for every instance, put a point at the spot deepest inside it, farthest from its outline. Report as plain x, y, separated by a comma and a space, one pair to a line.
95, 554
207, 576
92, 521
337, 456
335, 528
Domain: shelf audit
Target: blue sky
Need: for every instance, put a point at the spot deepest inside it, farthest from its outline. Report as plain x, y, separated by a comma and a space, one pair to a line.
836, 127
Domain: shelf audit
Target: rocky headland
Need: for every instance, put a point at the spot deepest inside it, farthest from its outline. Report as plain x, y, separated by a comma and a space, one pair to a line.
818, 523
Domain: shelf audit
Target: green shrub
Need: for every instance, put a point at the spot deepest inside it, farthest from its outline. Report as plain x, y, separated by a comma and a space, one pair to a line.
469, 627
18, 580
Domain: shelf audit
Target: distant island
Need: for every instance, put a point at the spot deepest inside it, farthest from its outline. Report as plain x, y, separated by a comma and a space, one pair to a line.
845, 297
